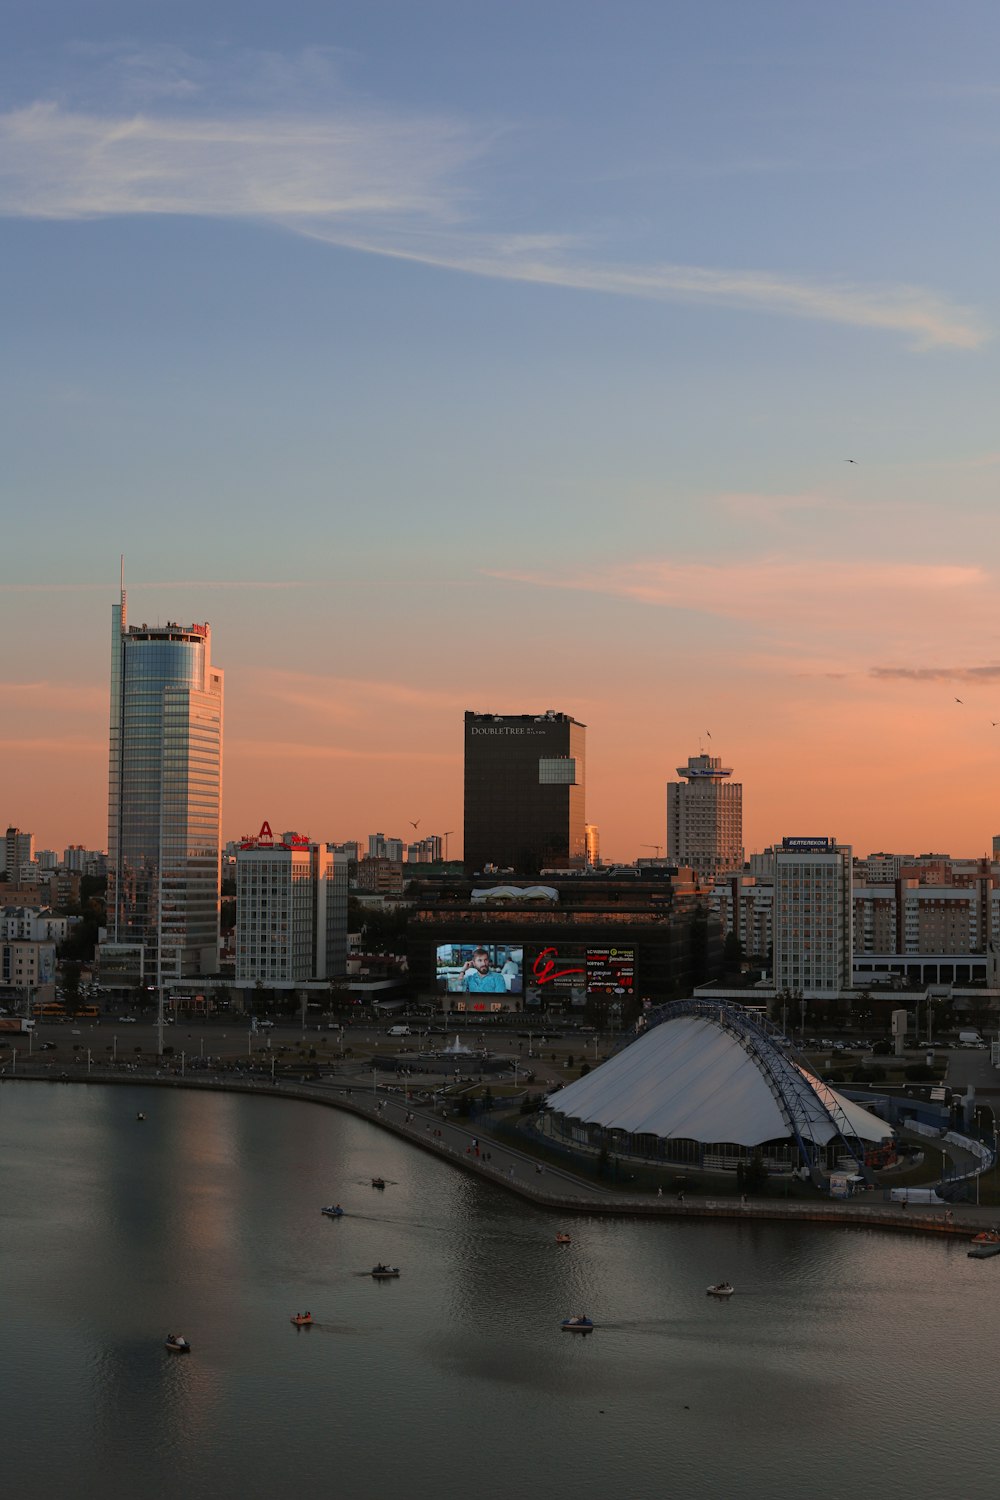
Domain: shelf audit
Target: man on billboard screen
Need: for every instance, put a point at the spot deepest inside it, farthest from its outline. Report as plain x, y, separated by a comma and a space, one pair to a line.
478, 978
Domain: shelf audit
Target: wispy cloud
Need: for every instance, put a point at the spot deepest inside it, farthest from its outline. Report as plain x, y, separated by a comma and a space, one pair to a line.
759, 587
768, 509
61, 696
55, 744
278, 750
384, 183
353, 698
927, 320
990, 673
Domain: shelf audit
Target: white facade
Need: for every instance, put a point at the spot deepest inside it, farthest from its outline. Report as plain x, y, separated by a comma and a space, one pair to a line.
36, 924
380, 847
813, 917
691, 1079
705, 818
26, 965
291, 912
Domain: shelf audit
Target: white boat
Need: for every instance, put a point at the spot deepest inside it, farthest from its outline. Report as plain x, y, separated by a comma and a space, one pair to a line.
384, 1273
578, 1324
721, 1289
177, 1343
333, 1211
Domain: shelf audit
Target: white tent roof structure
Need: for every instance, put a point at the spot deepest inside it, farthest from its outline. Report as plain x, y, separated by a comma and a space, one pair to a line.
694, 1077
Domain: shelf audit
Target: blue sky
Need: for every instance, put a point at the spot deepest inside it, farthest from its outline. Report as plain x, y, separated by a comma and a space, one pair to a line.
501, 354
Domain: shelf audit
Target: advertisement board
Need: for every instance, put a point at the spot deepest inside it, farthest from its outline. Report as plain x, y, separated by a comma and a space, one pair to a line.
610, 971
479, 968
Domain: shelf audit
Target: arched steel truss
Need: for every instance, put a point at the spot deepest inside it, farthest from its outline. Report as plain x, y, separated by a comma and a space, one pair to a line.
804, 1101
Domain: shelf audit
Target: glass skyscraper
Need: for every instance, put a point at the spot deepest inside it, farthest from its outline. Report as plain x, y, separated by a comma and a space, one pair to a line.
165, 795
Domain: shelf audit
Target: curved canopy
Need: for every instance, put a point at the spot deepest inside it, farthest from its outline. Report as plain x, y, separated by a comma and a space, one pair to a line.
692, 1078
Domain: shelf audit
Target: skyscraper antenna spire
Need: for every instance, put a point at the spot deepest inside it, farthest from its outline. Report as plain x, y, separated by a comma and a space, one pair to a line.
121, 583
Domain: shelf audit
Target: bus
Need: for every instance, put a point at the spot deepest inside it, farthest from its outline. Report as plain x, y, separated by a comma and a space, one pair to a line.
49, 1010
86, 1013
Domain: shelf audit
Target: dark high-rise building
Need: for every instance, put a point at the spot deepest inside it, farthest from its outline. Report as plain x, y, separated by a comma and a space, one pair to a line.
524, 792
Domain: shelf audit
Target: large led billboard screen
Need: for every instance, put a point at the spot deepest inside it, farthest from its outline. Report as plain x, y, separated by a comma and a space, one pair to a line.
479, 968
610, 971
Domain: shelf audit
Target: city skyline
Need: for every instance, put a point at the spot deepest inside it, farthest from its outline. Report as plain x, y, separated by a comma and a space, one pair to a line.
639, 364
256, 774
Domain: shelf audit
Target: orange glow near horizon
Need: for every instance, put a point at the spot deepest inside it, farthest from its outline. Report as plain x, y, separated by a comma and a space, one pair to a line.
889, 764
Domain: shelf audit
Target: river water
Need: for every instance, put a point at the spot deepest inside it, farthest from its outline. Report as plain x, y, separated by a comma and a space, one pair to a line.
847, 1363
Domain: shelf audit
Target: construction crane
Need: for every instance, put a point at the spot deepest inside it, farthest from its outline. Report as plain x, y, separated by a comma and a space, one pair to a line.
657, 847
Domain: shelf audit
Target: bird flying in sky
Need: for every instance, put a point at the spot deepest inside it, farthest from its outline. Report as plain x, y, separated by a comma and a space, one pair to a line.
850, 460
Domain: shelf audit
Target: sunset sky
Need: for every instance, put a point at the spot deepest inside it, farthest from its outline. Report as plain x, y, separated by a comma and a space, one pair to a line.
448, 355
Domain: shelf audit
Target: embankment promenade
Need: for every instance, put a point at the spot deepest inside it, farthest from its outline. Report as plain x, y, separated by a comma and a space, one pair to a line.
477, 1148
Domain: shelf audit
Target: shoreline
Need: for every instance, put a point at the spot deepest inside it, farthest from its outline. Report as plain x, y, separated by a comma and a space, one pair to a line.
518, 1172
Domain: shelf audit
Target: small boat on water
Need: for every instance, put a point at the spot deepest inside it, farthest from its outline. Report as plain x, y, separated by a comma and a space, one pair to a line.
563, 1239
384, 1273
302, 1320
985, 1244
177, 1343
578, 1324
333, 1211
721, 1289
378, 1182
140, 1115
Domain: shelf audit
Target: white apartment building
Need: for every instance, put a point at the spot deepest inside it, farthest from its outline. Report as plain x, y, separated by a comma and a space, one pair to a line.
291, 911
27, 966
36, 924
745, 904
813, 916
380, 847
705, 818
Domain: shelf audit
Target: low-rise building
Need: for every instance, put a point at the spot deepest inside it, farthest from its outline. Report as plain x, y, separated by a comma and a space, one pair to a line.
28, 968
561, 943
36, 923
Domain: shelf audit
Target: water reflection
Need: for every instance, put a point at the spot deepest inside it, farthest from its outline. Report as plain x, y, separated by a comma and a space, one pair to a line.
844, 1359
